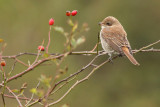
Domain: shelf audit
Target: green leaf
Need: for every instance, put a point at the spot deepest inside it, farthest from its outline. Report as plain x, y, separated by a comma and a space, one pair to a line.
15, 90
29, 63
45, 80
68, 48
65, 105
75, 27
80, 40
59, 29
73, 42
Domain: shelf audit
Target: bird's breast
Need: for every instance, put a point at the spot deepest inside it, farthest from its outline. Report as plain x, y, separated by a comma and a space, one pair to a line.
105, 45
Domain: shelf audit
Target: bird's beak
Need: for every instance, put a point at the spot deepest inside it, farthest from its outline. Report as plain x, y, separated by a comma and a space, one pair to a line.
100, 23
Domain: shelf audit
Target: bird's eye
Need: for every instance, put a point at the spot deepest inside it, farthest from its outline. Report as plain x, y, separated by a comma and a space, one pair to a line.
109, 24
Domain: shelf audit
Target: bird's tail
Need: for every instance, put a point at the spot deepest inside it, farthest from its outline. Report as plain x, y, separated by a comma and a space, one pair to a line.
129, 56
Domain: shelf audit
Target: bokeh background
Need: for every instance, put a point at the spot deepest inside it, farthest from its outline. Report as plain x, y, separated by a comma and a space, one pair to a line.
24, 24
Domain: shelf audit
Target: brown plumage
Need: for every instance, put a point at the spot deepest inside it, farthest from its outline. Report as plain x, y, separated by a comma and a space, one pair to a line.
114, 38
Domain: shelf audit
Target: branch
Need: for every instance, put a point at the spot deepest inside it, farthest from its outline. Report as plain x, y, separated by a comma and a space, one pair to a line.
59, 56
96, 67
80, 81
20, 98
145, 47
147, 50
82, 52
18, 55
78, 53
76, 73
34, 66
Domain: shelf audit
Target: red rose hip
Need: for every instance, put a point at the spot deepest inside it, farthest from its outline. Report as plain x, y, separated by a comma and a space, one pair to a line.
68, 13
3, 62
74, 12
51, 21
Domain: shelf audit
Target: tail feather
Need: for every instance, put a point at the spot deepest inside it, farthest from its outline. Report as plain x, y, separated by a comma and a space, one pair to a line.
129, 56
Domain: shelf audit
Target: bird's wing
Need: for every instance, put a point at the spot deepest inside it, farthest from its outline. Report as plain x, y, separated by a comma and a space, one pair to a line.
116, 39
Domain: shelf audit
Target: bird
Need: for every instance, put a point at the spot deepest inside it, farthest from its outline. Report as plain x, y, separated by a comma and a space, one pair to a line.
114, 40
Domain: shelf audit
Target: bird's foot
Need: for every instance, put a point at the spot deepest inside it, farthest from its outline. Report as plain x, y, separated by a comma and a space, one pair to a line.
120, 55
110, 59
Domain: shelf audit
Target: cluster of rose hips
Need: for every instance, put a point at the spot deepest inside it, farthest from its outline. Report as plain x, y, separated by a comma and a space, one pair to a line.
41, 48
51, 22
73, 13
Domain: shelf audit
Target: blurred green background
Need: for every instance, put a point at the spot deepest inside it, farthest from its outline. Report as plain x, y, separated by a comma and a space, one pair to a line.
24, 24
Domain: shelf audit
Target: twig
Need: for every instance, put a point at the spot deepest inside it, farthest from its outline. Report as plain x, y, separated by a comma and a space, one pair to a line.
145, 47
4, 87
21, 62
94, 48
18, 55
15, 96
49, 37
38, 54
33, 103
147, 50
33, 94
12, 67
3, 99
62, 85
20, 98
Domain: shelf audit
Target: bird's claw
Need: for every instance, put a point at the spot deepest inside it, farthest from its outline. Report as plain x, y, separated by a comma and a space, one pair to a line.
110, 59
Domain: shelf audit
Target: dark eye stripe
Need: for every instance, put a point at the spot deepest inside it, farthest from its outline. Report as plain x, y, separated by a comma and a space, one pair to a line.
108, 24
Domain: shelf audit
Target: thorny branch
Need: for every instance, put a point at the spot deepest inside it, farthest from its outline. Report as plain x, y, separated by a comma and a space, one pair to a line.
84, 68
55, 87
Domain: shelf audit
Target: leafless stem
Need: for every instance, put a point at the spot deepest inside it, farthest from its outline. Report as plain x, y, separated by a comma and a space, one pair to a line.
18, 55
13, 66
147, 50
20, 98
3, 99
33, 94
145, 47
62, 85
21, 62
49, 37
16, 97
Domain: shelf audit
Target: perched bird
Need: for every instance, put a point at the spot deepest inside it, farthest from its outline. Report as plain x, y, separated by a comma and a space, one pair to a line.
114, 38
